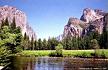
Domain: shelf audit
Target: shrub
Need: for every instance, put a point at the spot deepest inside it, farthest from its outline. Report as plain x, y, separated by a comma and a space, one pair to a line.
94, 44
103, 54
59, 50
4, 55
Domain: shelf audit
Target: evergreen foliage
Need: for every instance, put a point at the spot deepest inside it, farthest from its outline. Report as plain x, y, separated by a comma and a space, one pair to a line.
45, 44
32, 44
35, 45
13, 24
10, 41
40, 46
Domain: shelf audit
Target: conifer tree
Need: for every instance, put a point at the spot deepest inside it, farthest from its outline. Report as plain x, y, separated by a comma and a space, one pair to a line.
45, 44
32, 43
105, 32
4, 22
35, 45
26, 42
25, 36
49, 44
39, 44
13, 24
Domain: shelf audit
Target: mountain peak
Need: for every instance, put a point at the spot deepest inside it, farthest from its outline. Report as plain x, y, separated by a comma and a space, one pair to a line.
91, 20
90, 15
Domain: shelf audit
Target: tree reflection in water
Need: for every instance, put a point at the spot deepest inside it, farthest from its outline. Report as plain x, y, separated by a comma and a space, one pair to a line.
54, 63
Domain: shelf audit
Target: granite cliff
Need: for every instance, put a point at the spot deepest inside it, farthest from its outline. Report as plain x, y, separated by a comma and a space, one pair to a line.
91, 20
20, 19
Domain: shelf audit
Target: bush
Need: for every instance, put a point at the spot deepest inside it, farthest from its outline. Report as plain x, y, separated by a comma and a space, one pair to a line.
18, 49
4, 56
94, 44
103, 55
58, 52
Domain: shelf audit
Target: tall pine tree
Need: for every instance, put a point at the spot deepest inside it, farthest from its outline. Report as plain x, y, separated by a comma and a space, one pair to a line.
40, 44
4, 22
13, 24
32, 43
105, 32
45, 44
35, 45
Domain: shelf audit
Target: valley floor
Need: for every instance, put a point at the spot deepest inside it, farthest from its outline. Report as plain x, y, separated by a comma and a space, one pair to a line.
66, 53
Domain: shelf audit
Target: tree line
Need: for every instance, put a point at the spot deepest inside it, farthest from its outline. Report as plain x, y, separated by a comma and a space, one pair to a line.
69, 43
39, 44
89, 41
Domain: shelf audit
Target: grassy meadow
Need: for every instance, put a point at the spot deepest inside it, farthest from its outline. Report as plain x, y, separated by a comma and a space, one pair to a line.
66, 53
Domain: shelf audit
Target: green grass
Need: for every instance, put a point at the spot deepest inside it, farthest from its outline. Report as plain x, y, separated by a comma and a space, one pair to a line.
75, 53
35, 53
66, 53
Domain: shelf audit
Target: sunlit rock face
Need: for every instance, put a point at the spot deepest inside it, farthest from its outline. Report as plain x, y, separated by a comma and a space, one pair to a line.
90, 15
91, 20
20, 19
73, 28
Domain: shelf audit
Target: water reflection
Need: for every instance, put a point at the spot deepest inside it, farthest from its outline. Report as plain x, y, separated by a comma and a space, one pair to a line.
85, 64
49, 64
53, 63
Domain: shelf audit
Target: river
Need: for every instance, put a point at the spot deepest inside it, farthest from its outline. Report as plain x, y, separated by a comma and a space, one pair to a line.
59, 63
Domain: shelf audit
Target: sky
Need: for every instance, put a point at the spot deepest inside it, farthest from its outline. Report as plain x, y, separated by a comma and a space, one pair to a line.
48, 17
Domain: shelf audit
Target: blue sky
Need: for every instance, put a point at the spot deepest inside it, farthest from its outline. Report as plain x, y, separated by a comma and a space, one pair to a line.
48, 17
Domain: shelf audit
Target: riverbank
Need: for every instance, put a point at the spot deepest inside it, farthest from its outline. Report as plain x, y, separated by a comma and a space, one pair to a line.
66, 53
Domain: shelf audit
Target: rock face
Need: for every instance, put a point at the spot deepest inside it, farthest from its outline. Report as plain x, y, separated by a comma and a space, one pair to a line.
20, 19
73, 28
91, 20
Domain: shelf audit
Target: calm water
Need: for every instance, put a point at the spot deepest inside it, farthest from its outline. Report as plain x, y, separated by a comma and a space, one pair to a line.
51, 63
